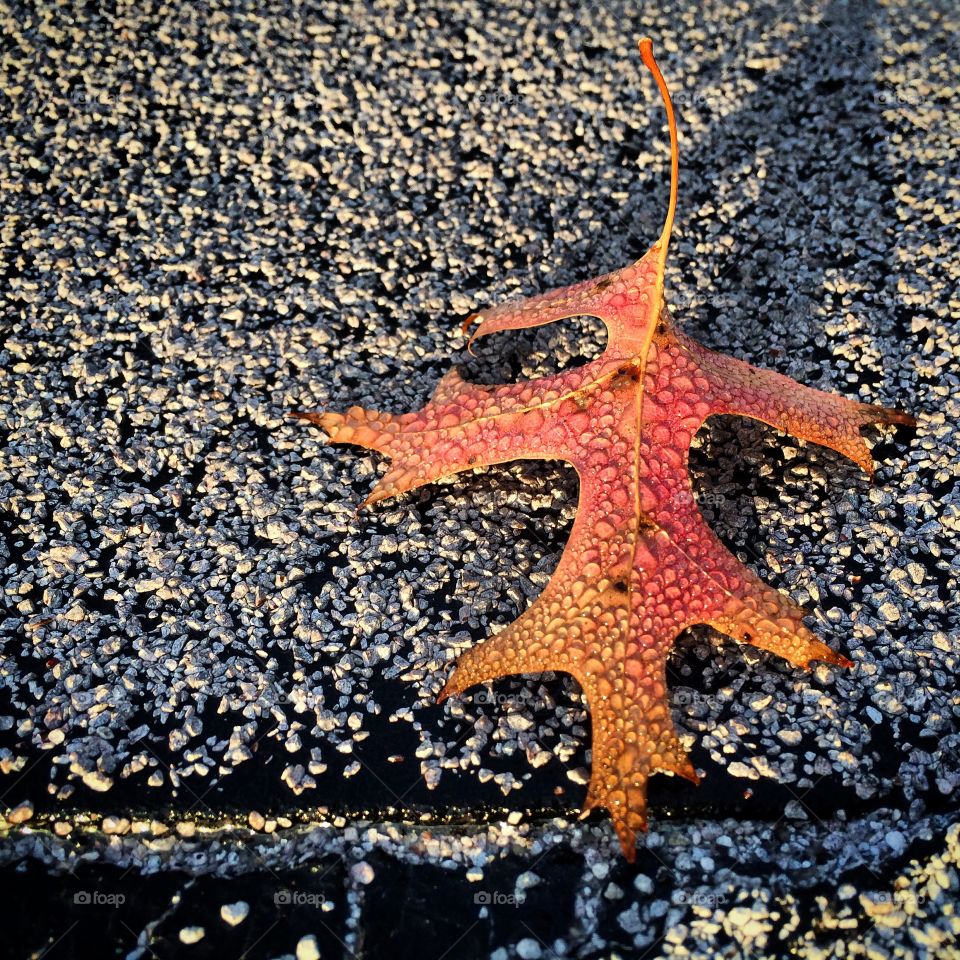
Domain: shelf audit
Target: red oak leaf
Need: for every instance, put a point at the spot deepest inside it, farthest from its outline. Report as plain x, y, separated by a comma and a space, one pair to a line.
641, 564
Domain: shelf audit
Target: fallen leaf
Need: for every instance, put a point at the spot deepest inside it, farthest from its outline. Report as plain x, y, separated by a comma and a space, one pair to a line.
641, 564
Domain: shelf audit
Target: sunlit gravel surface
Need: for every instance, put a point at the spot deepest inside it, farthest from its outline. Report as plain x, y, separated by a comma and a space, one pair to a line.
217, 720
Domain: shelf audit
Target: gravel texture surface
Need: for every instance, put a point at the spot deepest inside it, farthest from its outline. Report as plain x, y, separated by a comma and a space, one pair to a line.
217, 725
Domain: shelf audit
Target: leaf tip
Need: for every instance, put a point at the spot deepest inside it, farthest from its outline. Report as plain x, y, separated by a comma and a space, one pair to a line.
831, 657
449, 689
465, 330
689, 772
899, 417
628, 838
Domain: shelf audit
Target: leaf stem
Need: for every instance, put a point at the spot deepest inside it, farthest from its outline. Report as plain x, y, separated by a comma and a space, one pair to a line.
646, 52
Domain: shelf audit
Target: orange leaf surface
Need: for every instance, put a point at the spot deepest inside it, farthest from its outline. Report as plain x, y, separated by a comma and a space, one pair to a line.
641, 564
